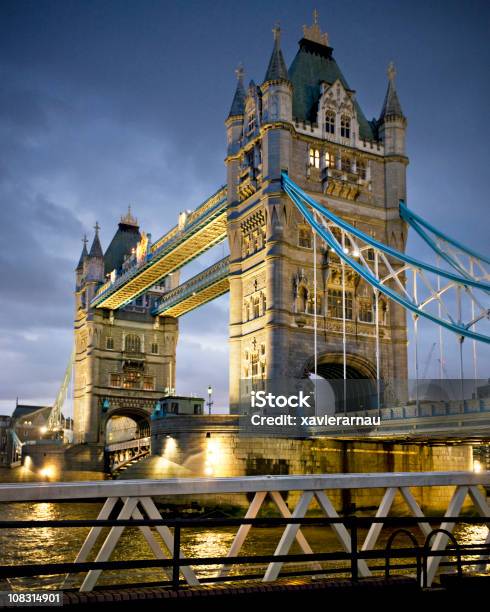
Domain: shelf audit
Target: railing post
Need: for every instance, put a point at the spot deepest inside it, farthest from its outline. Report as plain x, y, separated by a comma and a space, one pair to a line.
176, 559
353, 549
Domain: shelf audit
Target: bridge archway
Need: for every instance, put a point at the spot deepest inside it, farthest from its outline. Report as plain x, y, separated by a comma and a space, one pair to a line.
123, 424
359, 392
127, 438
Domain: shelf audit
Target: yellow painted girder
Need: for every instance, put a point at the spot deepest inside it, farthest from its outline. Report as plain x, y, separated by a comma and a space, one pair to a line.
202, 240
199, 298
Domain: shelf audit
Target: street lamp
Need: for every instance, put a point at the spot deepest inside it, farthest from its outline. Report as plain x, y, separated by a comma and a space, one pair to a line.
210, 398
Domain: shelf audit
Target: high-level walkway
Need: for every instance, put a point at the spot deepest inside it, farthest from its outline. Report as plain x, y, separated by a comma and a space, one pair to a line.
197, 232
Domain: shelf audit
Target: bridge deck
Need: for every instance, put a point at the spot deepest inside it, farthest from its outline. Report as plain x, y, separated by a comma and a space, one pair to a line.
202, 288
204, 228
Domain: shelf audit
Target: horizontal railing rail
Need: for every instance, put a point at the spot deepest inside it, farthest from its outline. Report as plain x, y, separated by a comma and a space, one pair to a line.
420, 553
42, 491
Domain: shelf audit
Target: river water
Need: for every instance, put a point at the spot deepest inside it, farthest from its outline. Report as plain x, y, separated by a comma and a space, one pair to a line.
54, 545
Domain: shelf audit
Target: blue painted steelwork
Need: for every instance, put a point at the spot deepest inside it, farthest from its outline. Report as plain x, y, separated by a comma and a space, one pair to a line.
301, 200
416, 221
379, 245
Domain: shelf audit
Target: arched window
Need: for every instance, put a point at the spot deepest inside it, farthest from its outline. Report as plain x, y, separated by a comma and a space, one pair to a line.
250, 123
314, 158
345, 126
256, 306
361, 169
366, 314
330, 122
329, 159
132, 343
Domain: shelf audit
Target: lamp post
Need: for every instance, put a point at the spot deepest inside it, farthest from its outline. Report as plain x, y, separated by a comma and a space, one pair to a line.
210, 398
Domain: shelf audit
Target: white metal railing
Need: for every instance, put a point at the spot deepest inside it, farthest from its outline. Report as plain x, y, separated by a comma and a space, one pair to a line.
137, 499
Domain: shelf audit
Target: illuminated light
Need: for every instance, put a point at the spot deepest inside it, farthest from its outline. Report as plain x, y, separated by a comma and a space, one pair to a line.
47, 472
43, 430
346, 250
356, 253
170, 445
477, 466
208, 470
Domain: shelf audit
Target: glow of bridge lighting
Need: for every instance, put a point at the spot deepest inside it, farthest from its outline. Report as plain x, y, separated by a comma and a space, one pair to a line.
47, 472
43, 430
170, 446
346, 250
356, 253
477, 466
213, 457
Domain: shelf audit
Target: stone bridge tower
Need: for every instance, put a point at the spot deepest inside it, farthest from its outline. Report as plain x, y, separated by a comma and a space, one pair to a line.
124, 359
307, 121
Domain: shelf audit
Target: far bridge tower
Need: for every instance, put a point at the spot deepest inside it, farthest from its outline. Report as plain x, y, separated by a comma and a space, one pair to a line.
124, 359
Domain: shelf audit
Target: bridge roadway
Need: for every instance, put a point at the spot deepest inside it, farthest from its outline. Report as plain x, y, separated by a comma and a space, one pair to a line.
204, 228
201, 288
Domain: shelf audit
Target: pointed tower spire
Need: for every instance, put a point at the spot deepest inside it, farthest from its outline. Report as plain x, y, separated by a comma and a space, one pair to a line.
238, 104
96, 248
84, 254
276, 71
391, 105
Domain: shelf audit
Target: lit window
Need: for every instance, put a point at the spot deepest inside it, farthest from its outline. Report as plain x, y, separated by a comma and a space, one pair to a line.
109, 343
148, 383
335, 304
304, 237
329, 159
154, 348
132, 343
330, 122
345, 127
314, 158
132, 380
115, 380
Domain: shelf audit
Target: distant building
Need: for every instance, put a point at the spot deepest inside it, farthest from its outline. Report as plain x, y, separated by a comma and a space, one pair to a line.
30, 422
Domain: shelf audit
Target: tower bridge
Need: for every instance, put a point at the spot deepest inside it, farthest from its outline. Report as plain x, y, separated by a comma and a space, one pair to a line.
314, 213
